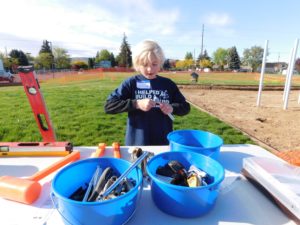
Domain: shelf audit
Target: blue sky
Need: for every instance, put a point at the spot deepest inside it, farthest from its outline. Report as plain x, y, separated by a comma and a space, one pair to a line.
87, 26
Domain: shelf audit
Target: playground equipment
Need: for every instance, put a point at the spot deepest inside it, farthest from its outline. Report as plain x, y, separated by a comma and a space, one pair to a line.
5, 76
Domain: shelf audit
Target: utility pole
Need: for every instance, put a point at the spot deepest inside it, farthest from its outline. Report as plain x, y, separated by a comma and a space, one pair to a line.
201, 52
194, 60
52, 62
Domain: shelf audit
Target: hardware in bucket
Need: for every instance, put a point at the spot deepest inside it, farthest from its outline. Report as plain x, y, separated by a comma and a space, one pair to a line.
198, 141
112, 211
182, 200
174, 172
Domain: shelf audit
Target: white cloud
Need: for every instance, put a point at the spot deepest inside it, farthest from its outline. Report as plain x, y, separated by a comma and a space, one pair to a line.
89, 26
218, 19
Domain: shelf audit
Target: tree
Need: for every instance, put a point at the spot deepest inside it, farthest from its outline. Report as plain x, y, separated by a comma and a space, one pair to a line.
17, 57
220, 57
184, 64
44, 60
2, 56
23, 61
112, 60
297, 65
205, 63
91, 63
234, 61
79, 65
124, 57
61, 58
46, 48
14, 53
166, 65
45, 53
30, 58
188, 55
203, 56
253, 57
103, 55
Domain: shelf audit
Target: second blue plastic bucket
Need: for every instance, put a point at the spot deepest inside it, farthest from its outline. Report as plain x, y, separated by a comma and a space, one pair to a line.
198, 141
180, 201
109, 212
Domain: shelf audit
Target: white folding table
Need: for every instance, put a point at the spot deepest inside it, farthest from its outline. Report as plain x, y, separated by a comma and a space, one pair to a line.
239, 202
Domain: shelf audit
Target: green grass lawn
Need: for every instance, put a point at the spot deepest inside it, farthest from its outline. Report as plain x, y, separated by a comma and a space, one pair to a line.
77, 114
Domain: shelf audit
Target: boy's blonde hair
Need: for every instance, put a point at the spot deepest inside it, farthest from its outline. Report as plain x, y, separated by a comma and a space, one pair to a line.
144, 51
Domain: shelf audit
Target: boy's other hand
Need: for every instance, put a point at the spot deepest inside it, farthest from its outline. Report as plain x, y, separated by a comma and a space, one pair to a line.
166, 108
145, 104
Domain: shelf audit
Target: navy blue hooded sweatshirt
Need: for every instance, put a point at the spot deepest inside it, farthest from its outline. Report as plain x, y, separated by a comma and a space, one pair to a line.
153, 126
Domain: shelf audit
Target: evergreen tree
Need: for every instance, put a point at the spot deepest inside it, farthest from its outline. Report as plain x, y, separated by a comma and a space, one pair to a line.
91, 63
188, 55
124, 57
47, 49
167, 65
234, 61
112, 60
14, 54
19, 57
23, 61
203, 56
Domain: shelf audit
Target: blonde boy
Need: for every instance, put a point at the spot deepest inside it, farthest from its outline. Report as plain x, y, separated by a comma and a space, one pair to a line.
148, 98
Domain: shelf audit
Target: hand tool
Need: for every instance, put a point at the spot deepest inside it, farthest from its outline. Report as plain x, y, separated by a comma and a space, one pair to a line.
28, 190
92, 183
119, 180
25, 149
99, 177
38, 106
155, 99
36, 100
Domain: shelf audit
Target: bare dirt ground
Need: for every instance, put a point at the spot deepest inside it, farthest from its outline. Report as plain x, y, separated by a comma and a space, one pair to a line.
268, 125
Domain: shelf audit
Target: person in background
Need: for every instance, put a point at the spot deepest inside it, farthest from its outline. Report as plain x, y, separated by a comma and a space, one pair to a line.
149, 99
194, 76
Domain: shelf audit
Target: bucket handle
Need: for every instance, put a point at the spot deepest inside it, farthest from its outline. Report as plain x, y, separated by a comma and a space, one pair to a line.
55, 204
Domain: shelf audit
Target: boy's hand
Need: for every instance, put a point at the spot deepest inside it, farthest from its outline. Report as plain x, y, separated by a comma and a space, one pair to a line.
145, 104
166, 108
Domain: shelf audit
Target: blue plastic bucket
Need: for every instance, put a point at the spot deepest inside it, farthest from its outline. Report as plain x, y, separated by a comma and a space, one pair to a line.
180, 201
109, 212
198, 141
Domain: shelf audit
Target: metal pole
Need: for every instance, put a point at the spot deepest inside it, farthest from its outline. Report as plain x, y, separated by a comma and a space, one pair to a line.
286, 75
292, 63
262, 72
